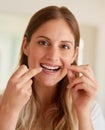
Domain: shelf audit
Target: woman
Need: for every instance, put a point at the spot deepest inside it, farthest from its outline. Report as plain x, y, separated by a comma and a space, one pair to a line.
49, 91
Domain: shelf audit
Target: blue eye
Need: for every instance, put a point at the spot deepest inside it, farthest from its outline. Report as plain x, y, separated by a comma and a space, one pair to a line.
65, 47
45, 43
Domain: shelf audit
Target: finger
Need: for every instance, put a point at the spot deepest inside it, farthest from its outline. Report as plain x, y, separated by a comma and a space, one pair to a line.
83, 69
26, 90
82, 87
81, 80
27, 85
29, 74
20, 71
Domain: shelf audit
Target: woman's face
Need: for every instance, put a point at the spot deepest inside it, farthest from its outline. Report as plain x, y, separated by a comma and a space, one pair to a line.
51, 48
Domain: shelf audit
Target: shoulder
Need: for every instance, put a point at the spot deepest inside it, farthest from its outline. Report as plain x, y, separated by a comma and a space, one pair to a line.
97, 117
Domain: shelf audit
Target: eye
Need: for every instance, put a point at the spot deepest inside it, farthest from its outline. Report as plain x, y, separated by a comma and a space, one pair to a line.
44, 43
64, 46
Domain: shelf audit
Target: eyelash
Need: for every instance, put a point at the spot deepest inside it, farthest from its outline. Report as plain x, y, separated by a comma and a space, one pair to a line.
46, 43
67, 47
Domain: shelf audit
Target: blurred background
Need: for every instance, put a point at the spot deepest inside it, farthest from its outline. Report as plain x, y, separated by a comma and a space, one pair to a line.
14, 17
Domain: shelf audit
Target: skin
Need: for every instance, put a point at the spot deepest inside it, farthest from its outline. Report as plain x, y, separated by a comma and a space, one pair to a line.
84, 90
49, 46
16, 95
52, 45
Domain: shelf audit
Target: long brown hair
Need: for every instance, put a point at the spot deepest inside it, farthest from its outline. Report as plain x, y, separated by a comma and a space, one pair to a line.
62, 115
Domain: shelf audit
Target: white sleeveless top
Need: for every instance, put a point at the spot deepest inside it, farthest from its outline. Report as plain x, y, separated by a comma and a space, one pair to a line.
97, 117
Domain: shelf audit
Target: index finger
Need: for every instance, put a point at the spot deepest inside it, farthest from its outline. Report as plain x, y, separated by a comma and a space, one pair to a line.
20, 71
83, 69
31, 73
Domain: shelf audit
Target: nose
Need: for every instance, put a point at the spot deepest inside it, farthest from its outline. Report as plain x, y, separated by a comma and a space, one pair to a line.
53, 54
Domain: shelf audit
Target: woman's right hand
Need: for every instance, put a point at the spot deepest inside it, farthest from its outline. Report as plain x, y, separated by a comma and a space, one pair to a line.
18, 90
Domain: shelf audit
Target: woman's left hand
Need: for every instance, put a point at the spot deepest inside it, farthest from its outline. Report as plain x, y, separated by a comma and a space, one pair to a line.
83, 88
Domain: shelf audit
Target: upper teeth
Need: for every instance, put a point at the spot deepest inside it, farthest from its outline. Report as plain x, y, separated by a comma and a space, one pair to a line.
50, 67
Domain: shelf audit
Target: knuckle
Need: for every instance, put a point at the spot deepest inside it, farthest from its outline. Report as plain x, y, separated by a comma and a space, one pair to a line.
95, 91
17, 86
25, 93
82, 78
86, 68
22, 91
83, 84
12, 81
24, 67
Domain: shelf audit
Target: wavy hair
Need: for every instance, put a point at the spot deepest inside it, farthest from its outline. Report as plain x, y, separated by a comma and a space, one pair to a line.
61, 115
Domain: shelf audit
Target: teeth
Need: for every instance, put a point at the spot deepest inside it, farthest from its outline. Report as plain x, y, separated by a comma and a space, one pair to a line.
50, 67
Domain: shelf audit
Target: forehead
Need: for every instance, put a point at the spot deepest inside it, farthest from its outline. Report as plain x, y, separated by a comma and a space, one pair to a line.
55, 29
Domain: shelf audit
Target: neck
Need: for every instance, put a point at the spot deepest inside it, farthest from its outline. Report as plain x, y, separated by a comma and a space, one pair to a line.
46, 95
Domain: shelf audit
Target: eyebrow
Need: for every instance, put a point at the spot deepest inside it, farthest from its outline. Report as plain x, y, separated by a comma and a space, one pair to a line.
43, 37
50, 40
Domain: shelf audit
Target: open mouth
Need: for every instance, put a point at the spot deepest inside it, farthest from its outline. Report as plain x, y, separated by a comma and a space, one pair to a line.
50, 68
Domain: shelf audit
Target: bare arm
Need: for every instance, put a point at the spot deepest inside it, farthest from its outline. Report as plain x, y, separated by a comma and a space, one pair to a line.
8, 119
85, 122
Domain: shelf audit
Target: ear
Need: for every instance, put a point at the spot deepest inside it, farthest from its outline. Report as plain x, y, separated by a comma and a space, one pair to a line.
25, 46
75, 54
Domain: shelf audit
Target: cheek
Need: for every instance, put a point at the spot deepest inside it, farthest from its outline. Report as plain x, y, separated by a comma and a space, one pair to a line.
67, 60
70, 57
33, 59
